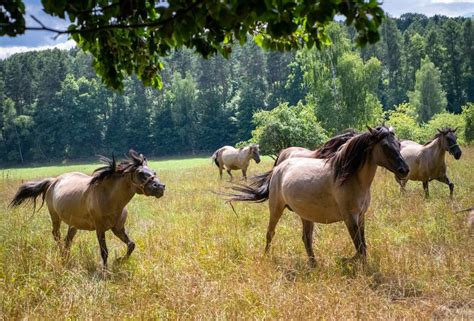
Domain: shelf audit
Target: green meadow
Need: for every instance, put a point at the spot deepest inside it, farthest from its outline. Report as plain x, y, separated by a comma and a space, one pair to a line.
196, 258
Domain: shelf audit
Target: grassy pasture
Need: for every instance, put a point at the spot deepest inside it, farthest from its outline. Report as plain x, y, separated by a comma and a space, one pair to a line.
195, 258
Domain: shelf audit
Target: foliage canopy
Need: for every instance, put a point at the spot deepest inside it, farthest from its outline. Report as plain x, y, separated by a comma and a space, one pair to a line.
130, 36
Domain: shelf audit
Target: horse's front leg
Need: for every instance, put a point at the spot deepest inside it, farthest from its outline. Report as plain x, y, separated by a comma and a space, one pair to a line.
308, 228
104, 253
426, 189
244, 173
445, 179
356, 227
230, 174
121, 233
71, 232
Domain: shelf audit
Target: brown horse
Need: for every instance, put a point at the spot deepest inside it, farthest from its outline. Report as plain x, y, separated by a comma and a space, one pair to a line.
427, 162
94, 202
231, 158
324, 151
328, 191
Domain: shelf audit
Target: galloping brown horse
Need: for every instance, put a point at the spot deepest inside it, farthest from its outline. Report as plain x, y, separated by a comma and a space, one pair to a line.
331, 146
94, 202
427, 162
328, 191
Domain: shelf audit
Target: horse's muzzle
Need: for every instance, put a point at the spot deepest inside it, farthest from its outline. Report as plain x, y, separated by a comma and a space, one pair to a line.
403, 171
158, 189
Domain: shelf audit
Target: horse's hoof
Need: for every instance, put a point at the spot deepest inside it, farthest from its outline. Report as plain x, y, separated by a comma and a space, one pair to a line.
312, 263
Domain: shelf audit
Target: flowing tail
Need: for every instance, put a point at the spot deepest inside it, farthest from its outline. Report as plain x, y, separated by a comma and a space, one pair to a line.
30, 191
214, 157
257, 191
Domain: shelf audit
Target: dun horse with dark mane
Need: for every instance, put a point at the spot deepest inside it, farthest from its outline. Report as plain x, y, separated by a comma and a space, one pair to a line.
232, 158
328, 191
94, 202
427, 162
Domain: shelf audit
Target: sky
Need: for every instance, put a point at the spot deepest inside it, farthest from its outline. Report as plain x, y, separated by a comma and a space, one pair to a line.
39, 40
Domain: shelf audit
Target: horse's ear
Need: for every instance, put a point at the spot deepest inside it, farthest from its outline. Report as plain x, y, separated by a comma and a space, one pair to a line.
370, 129
454, 130
391, 129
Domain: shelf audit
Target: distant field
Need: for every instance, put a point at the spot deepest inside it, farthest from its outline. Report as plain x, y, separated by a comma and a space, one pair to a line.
195, 258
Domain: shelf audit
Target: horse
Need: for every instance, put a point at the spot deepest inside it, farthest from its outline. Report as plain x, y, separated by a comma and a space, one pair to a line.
94, 202
427, 162
327, 190
324, 151
231, 158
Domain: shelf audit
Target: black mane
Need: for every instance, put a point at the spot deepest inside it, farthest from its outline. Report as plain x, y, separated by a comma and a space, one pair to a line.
132, 162
441, 132
353, 155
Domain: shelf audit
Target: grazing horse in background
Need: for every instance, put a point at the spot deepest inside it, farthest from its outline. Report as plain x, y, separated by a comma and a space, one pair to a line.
427, 162
231, 158
324, 151
94, 202
327, 191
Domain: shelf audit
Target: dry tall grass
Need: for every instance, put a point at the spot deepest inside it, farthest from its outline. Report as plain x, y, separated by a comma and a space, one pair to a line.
196, 259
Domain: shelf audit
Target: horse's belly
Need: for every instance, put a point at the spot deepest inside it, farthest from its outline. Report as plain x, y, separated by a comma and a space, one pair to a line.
324, 212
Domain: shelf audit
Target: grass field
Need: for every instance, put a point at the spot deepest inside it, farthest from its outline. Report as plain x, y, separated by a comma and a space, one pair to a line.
195, 258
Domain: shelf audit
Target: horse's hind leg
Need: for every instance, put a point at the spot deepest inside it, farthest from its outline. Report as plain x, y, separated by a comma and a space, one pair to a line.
426, 189
56, 221
123, 236
308, 228
446, 180
275, 214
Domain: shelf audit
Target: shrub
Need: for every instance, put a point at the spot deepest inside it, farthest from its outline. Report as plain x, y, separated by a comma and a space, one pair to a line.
403, 120
468, 114
443, 120
286, 126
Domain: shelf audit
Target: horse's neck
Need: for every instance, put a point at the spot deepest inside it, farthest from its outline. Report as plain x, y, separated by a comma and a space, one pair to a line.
435, 150
246, 153
366, 173
118, 190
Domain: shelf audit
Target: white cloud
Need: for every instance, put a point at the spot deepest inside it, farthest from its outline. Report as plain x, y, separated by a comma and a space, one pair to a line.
5, 52
452, 1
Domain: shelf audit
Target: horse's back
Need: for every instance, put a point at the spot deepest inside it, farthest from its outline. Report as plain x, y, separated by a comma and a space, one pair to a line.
306, 185
66, 197
230, 156
292, 152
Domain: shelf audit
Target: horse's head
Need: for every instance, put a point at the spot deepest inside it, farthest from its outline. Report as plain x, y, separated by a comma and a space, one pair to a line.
143, 178
448, 141
386, 151
255, 153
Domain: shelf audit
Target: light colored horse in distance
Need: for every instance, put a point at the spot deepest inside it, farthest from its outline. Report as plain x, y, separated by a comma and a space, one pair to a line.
327, 191
94, 202
232, 158
427, 161
324, 151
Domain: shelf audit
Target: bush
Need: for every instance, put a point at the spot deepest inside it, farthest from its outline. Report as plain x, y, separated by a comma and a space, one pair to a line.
468, 114
403, 120
287, 126
443, 120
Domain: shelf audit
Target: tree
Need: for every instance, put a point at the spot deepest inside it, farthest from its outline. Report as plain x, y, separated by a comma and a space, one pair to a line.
129, 36
287, 126
428, 98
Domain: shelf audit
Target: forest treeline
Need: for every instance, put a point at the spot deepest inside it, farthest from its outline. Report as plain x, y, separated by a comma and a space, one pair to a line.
54, 107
